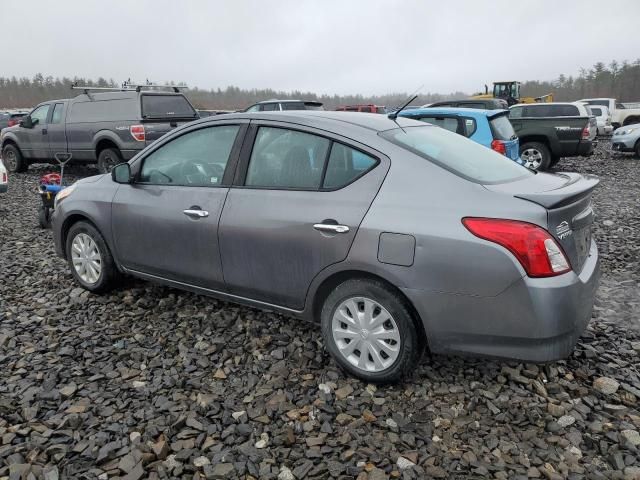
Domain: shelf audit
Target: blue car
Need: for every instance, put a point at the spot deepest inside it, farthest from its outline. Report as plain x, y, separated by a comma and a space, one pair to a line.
490, 128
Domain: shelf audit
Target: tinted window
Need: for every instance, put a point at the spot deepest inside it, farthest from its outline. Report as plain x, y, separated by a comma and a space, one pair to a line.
515, 112
269, 107
462, 156
501, 128
448, 123
293, 106
253, 108
284, 158
596, 111
40, 114
313, 106
57, 113
103, 110
472, 105
166, 106
197, 158
470, 126
538, 111
345, 165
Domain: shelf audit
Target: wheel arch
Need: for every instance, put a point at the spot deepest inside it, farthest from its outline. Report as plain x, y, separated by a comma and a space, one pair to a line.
328, 284
76, 217
10, 141
105, 143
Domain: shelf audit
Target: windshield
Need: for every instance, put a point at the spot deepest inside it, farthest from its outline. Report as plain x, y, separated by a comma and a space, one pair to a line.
459, 155
502, 128
166, 106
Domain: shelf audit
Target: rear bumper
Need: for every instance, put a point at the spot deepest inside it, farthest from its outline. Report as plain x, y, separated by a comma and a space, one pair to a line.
3, 187
534, 320
585, 148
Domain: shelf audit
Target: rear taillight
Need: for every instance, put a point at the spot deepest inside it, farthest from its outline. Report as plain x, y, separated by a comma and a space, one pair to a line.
137, 132
498, 146
12, 122
536, 250
585, 132
3, 178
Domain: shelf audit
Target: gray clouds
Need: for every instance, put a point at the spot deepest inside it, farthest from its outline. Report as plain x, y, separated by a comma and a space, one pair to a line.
325, 46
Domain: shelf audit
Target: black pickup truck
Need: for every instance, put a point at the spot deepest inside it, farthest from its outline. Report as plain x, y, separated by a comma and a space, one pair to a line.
549, 131
104, 128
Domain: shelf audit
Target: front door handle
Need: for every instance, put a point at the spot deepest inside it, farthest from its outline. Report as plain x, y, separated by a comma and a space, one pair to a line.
195, 213
328, 227
44, 131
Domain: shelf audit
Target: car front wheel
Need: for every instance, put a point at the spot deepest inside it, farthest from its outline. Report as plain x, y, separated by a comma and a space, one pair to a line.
370, 332
89, 258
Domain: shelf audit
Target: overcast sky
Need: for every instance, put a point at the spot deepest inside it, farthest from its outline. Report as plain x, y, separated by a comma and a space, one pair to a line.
324, 46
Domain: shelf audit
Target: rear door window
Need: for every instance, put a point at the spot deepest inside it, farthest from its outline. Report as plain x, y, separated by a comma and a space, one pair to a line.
287, 159
461, 156
501, 128
166, 106
345, 165
269, 107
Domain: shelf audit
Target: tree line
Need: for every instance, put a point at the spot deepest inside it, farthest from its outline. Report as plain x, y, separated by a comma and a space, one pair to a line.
619, 80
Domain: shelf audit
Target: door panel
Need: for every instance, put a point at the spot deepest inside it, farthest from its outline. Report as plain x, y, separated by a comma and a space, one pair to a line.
152, 233
35, 141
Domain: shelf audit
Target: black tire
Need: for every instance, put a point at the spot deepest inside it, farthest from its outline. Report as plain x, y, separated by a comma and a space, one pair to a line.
544, 161
108, 158
44, 219
410, 349
109, 273
13, 160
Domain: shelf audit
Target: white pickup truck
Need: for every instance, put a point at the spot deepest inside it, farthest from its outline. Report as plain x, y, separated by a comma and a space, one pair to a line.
620, 115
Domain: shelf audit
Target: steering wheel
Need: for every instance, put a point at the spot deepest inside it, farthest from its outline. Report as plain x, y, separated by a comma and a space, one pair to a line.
195, 172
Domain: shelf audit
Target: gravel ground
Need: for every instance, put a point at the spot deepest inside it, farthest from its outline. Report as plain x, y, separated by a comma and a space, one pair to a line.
153, 382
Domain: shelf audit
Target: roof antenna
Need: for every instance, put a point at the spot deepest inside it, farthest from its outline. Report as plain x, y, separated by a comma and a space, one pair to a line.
394, 115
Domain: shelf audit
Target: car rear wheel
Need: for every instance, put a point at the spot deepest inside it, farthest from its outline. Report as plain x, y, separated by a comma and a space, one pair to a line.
12, 159
370, 332
536, 156
107, 159
89, 258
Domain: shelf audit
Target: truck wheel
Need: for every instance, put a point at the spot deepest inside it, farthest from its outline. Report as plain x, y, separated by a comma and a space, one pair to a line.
13, 160
536, 156
108, 158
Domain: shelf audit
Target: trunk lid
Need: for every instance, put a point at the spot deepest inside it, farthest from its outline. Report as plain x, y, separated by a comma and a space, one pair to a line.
567, 199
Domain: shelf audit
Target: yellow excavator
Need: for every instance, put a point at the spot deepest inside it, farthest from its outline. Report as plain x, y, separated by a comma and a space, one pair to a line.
510, 91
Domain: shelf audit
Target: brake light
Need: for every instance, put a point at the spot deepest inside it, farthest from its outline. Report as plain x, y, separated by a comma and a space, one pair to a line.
498, 146
12, 122
534, 247
137, 132
3, 178
585, 132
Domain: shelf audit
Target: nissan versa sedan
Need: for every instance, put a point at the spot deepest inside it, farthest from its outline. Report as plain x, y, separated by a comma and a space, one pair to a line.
392, 234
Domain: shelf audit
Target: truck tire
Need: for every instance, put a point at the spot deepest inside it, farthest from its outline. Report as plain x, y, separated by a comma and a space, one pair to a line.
536, 156
108, 158
12, 159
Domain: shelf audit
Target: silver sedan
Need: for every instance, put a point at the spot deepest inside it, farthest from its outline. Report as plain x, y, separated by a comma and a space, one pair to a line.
393, 235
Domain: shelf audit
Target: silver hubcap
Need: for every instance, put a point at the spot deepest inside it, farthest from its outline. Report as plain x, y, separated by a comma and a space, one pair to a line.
366, 334
10, 160
86, 258
532, 158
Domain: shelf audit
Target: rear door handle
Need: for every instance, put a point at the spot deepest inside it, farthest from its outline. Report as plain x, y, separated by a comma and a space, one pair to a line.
328, 227
193, 213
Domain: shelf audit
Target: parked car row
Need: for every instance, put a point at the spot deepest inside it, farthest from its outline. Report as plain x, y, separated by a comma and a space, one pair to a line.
9, 118
392, 234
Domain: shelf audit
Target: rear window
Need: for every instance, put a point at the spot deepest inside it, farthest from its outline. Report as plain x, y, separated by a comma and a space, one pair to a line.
313, 106
461, 156
293, 106
448, 123
166, 106
541, 110
501, 128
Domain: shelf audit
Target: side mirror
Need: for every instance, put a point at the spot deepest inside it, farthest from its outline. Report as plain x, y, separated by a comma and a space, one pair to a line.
26, 122
121, 173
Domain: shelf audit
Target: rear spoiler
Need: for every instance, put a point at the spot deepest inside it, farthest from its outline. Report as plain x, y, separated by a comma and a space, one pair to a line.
577, 186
